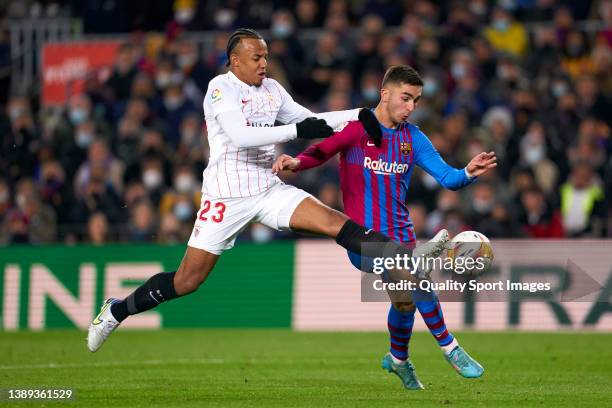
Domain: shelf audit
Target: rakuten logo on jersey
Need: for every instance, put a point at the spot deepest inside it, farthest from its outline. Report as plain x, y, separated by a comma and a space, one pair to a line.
382, 167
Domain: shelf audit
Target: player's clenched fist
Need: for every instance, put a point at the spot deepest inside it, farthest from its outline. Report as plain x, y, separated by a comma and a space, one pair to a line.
313, 128
285, 162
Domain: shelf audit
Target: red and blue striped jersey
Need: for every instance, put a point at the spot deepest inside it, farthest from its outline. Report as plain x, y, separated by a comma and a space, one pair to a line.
374, 180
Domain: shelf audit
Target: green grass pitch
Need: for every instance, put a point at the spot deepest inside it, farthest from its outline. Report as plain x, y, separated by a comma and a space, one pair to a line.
281, 368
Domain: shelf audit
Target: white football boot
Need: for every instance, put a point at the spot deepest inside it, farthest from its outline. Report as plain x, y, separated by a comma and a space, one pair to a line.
430, 249
102, 326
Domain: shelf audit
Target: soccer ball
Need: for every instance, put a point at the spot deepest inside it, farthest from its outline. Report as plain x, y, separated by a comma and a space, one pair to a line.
471, 253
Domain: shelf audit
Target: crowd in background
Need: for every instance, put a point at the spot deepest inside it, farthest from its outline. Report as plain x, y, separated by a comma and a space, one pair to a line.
527, 79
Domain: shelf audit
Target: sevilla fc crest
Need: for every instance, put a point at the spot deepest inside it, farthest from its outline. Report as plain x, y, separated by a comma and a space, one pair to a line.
405, 148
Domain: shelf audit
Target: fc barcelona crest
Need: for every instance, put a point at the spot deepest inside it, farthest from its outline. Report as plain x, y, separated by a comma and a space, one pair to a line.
405, 148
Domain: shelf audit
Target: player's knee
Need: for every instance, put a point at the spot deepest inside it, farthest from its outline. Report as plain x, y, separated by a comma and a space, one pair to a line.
333, 222
404, 307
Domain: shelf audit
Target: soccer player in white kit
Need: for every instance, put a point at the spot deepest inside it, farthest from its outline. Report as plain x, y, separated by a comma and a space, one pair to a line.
239, 186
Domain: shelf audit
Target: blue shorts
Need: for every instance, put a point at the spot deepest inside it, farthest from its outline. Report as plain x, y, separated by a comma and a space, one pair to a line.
363, 263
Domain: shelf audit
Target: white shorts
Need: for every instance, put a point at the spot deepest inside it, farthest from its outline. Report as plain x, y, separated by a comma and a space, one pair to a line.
220, 220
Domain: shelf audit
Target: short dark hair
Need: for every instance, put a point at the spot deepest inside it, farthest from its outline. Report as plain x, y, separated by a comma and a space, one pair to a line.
398, 74
235, 38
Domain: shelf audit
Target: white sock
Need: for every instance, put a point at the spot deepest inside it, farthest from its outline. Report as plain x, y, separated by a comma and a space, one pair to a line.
397, 360
449, 347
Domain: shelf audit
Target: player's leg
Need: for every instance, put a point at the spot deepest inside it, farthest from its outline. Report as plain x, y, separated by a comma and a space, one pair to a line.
313, 216
215, 230
430, 309
400, 322
193, 271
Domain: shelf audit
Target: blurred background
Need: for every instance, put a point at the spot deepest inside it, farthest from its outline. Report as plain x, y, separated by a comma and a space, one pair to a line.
102, 127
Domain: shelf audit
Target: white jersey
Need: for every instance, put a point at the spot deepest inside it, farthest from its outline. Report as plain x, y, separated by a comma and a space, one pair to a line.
241, 165
243, 172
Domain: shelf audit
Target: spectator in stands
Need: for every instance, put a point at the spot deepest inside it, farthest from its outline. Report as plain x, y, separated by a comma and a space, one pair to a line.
533, 154
55, 189
582, 202
97, 229
5, 199
124, 72
19, 140
505, 34
100, 161
142, 223
171, 231
538, 218
30, 220
542, 107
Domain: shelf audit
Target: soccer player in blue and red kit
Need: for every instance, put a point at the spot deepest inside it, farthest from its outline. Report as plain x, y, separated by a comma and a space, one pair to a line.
374, 177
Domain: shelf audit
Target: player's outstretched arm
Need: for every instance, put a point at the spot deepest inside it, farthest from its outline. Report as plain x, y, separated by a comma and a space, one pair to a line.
234, 125
321, 152
292, 112
428, 158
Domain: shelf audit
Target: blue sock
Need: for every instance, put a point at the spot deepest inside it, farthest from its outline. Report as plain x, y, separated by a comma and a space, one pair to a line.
431, 311
400, 330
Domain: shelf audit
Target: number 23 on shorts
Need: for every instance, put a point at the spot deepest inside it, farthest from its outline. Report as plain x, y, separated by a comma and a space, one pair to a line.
218, 210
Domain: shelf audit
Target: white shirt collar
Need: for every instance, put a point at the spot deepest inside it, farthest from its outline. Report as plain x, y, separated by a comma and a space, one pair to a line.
236, 80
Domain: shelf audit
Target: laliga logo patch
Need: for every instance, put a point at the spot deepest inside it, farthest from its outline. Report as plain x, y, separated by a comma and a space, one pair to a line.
405, 148
215, 95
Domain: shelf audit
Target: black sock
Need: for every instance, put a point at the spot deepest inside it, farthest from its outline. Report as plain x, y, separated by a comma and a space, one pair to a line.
356, 238
156, 290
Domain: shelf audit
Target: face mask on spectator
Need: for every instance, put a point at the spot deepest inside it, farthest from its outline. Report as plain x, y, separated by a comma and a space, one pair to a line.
183, 210
21, 201
162, 80
282, 30
173, 103
430, 87
504, 71
533, 154
183, 15
84, 139
77, 115
186, 60
152, 179
188, 136
15, 112
224, 17
482, 206
501, 24
370, 93
458, 70
4, 196
559, 89
184, 183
